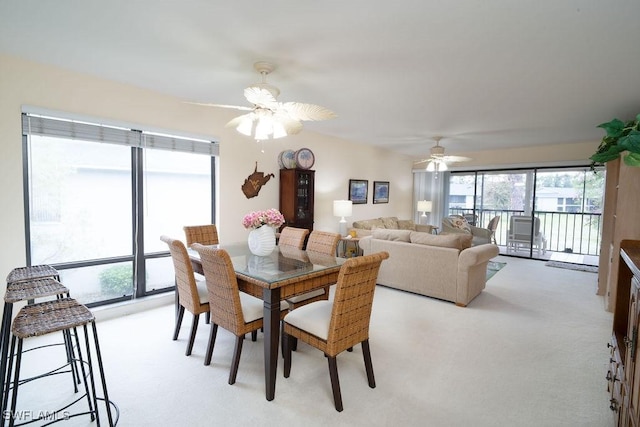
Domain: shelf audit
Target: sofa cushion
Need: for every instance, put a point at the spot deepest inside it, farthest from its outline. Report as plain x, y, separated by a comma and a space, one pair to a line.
456, 221
390, 222
406, 224
455, 241
368, 224
393, 235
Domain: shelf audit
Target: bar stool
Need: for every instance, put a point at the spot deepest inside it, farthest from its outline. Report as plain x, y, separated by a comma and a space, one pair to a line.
43, 318
28, 284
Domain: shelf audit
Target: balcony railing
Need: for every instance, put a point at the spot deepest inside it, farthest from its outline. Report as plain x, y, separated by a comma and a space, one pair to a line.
565, 231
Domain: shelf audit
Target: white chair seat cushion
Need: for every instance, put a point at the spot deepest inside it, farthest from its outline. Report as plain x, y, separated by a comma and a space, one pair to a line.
313, 318
253, 308
203, 293
298, 298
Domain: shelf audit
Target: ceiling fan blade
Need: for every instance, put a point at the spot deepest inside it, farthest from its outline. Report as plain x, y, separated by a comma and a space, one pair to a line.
311, 112
233, 107
261, 97
455, 159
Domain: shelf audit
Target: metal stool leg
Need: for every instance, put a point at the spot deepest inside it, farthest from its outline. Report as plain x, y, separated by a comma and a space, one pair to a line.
86, 386
101, 369
4, 349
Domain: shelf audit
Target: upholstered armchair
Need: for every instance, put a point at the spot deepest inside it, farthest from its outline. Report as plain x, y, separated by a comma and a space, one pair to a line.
458, 224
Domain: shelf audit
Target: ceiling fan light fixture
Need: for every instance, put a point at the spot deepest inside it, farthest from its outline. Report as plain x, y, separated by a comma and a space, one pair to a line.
245, 126
431, 166
278, 130
443, 166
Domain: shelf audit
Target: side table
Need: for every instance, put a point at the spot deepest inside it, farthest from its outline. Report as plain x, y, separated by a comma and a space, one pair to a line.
344, 240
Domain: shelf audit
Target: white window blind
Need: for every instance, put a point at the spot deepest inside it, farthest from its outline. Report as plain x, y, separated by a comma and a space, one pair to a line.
49, 126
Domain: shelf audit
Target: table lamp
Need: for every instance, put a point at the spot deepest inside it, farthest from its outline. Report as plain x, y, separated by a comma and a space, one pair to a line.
424, 206
342, 208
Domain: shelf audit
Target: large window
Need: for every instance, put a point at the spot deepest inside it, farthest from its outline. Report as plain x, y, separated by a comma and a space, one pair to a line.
98, 198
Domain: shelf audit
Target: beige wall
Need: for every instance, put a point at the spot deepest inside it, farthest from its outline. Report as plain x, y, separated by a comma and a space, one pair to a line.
337, 160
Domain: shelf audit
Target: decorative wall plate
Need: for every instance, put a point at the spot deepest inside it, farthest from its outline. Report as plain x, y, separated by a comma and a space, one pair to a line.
305, 158
287, 159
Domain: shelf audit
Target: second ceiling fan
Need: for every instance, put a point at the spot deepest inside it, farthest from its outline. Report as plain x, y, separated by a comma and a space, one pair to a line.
437, 161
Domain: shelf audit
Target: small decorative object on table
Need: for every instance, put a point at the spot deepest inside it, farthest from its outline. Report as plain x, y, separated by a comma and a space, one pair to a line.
263, 224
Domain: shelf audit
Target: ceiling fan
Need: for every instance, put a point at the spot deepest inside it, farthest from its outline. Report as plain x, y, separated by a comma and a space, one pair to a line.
437, 161
268, 118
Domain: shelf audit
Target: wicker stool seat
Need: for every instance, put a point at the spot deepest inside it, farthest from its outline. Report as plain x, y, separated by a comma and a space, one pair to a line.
32, 289
21, 274
43, 318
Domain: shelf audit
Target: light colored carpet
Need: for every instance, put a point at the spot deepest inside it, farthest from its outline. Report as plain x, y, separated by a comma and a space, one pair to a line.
529, 351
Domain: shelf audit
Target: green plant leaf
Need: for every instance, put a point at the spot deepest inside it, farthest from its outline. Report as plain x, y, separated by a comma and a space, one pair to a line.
632, 159
613, 128
611, 153
631, 141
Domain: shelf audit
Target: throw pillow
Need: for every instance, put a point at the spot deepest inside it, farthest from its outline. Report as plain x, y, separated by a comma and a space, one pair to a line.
390, 222
406, 224
393, 235
459, 223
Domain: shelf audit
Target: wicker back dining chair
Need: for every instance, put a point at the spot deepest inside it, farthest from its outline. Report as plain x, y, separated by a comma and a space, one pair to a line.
292, 236
192, 293
235, 311
203, 234
321, 243
333, 327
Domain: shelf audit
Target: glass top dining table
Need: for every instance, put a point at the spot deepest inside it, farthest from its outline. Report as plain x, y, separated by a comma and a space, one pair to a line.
284, 273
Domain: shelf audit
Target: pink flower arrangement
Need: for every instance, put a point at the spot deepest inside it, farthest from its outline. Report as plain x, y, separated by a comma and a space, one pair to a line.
257, 219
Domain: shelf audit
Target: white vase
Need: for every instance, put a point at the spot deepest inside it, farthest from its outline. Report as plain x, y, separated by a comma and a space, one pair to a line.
262, 240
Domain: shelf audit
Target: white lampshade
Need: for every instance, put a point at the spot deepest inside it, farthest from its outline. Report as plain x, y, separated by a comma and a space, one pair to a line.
431, 166
443, 166
342, 208
424, 206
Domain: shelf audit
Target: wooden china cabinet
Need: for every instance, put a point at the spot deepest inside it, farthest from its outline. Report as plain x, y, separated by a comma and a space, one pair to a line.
296, 197
623, 376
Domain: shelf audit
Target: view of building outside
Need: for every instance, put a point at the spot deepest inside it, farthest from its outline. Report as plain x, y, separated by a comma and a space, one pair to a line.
82, 211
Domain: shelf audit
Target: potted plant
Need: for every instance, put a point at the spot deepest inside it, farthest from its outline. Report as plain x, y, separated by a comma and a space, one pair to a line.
620, 137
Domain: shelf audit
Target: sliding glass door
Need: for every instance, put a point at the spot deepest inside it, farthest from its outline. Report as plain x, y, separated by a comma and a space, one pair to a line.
540, 211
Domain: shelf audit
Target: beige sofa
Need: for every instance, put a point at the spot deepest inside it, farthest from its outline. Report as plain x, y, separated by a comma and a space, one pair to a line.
438, 266
364, 227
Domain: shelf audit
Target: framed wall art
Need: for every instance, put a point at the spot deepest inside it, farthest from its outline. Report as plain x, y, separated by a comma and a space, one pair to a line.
380, 191
358, 189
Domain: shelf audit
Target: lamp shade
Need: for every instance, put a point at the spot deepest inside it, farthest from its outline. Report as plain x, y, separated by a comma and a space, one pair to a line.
342, 208
424, 206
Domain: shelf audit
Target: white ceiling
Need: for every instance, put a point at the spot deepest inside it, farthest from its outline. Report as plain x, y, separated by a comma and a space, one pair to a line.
485, 74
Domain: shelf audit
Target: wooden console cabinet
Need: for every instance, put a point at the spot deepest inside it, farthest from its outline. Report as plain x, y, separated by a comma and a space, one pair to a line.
623, 376
296, 197
619, 221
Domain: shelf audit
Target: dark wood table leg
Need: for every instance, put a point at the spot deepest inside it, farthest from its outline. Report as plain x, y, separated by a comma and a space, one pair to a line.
271, 299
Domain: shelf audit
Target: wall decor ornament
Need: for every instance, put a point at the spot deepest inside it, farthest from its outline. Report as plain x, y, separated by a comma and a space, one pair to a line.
254, 182
358, 189
380, 191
